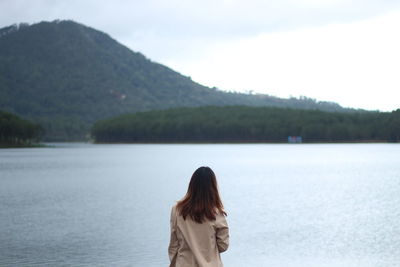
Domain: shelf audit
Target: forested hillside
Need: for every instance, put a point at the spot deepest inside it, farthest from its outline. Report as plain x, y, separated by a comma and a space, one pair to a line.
15, 131
248, 124
66, 76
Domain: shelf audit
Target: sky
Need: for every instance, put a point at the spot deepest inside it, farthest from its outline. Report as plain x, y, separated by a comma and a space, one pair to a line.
331, 50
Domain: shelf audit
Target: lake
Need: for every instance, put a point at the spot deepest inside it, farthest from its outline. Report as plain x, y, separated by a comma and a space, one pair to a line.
314, 205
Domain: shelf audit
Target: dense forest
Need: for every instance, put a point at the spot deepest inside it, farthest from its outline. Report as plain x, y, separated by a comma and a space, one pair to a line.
65, 76
15, 131
248, 124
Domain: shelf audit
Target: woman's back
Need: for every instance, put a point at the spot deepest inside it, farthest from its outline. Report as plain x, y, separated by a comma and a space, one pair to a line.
197, 244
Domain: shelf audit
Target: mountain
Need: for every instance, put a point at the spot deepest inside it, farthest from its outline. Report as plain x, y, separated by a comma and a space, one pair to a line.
66, 76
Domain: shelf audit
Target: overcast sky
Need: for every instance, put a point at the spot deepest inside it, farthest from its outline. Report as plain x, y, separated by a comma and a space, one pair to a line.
333, 50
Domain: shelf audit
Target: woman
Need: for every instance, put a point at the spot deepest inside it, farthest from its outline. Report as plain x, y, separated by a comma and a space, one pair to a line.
199, 231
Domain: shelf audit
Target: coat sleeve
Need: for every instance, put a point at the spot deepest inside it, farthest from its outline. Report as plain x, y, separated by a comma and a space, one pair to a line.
222, 234
173, 243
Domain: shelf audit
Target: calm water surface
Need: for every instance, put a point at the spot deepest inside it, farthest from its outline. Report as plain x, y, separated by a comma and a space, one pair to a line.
288, 205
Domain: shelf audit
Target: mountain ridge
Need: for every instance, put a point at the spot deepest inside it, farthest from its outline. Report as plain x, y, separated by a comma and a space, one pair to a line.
65, 76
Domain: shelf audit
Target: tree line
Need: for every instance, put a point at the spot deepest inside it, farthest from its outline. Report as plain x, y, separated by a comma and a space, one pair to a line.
17, 131
248, 124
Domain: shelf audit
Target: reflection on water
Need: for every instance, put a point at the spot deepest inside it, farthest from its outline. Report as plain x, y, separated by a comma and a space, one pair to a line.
288, 205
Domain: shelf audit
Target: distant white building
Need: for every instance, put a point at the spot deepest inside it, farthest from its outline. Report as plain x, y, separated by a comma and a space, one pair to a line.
295, 139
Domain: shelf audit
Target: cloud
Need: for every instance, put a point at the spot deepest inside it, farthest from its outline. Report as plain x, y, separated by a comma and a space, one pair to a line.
355, 64
163, 28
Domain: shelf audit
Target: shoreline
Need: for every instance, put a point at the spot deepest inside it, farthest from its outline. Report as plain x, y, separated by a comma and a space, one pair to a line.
248, 142
5, 146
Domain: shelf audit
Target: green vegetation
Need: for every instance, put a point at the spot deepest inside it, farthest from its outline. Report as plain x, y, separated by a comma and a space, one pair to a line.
248, 124
65, 76
15, 131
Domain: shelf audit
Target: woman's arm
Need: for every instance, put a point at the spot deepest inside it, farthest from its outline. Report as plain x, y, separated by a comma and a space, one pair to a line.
222, 234
173, 242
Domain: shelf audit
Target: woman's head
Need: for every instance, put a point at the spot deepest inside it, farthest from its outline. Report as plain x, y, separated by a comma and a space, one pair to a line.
202, 199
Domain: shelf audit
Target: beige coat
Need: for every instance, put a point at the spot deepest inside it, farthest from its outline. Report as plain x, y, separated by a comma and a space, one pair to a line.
195, 244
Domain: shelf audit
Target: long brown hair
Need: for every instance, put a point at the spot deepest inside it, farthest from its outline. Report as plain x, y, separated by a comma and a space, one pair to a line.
202, 199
